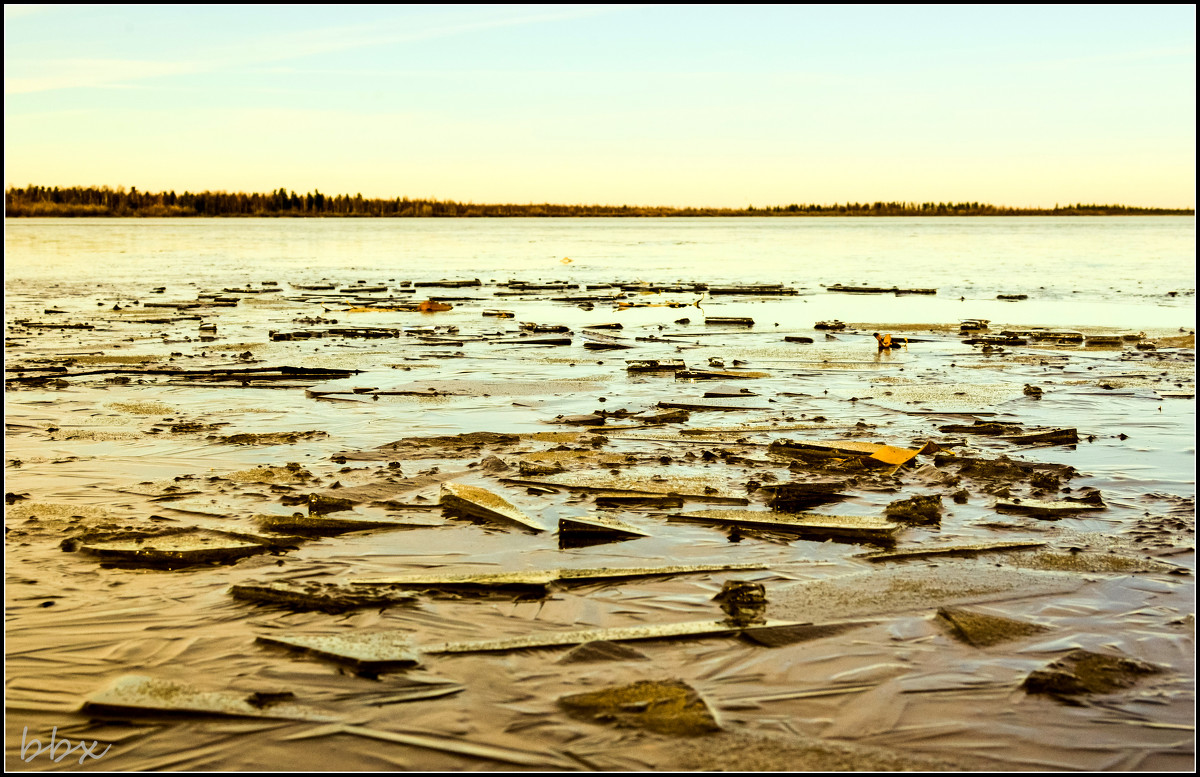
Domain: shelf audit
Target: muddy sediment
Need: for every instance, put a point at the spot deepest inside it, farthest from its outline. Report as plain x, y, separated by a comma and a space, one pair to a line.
667, 707
384, 507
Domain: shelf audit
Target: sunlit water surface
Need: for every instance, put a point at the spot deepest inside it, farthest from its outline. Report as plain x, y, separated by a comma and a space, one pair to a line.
1103, 270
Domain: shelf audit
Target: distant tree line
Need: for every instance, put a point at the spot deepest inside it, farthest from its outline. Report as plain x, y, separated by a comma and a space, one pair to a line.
105, 201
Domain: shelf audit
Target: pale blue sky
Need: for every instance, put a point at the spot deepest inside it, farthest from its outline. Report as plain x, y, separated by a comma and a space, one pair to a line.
672, 105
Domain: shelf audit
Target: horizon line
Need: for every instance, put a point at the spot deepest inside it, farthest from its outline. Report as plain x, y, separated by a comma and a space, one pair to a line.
289, 196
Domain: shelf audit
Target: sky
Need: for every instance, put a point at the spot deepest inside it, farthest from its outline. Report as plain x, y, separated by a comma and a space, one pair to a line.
702, 105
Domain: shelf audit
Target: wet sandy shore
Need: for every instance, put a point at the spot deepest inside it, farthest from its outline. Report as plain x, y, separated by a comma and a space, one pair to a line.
144, 423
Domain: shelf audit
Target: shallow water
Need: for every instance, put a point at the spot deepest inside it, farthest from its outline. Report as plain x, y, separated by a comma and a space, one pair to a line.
901, 685
1103, 258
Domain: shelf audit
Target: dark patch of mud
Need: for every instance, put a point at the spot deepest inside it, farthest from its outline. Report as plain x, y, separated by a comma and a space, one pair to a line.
1083, 672
666, 707
916, 509
982, 629
271, 438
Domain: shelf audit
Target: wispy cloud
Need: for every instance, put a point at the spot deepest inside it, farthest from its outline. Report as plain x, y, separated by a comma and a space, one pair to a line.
99, 73
83, 73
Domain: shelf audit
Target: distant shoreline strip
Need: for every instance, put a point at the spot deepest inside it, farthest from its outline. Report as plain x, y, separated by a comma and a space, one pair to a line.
83, 202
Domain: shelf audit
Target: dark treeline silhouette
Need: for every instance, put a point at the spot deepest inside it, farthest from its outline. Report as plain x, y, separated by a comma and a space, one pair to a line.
104, 201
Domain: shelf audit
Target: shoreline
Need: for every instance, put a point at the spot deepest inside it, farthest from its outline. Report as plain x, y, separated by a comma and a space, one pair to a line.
104, 201
674, 213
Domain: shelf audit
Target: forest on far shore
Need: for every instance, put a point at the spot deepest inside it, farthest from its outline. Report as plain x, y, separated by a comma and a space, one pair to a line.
106, 201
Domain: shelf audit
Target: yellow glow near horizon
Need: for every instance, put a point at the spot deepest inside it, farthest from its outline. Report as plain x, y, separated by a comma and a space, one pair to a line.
713, 106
